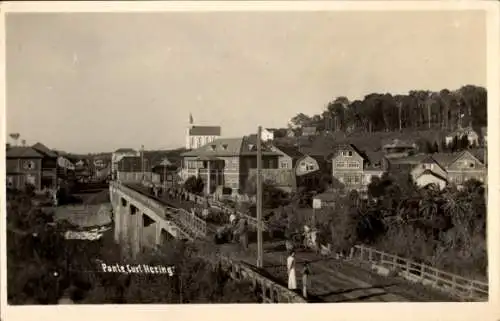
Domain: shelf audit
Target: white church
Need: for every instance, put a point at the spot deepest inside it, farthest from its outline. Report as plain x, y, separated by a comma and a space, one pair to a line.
197, 136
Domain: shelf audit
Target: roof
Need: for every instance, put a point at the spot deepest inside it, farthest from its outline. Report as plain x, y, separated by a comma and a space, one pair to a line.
249, 147
23, 152
429, 172
309, 129
462, 131
125, 150
327, 196
230, 147
352, 147
41, 148
219, 147
410, 160
393, 143
205, 131
290, 151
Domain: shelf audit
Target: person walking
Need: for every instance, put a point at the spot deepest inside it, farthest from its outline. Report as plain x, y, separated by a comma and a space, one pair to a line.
305, 278
292, 279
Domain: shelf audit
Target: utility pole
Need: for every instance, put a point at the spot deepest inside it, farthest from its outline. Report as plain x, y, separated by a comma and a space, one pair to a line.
142, 162
260, 249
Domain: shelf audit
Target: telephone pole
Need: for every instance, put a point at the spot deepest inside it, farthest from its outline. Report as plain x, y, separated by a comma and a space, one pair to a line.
142, 162
260, 250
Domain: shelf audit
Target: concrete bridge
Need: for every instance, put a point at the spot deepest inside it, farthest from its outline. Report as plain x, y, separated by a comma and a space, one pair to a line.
142, 223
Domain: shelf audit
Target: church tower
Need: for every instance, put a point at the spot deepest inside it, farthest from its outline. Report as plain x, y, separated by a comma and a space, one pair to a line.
188, 132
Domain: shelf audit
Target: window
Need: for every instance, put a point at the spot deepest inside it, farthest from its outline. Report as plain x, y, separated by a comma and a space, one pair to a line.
353, 165
191, 164
346, 153
213, 147
428, 166
283, 165
472, 165
224, 146
199, 142
192, 142
340, 164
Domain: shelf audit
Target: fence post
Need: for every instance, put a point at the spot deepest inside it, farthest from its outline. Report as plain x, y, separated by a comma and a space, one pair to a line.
454, 283
422, 270
408, 266
370, 255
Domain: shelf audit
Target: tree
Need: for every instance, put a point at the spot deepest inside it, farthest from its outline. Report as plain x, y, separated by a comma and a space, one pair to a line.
194, 185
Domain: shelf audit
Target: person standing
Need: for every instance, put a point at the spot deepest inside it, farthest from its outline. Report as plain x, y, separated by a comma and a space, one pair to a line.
292, 279
305, 277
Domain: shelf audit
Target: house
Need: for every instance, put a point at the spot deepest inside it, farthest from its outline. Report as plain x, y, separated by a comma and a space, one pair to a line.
118, 155
306, 165
49, 166
226, 162
354, 168
399, 148
197, 136
267, 134
461, 167
65, 168
472, 136
289, 155
326, 199
309, 131
136, 169
453, 168
23, 166
428, 177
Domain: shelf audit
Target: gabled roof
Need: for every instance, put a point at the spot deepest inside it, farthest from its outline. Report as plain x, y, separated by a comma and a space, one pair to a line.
23, 152
290, 151
349, 147
125, 150
429, 172
249, 147
219, 147
205, 131
44, 150
409, 160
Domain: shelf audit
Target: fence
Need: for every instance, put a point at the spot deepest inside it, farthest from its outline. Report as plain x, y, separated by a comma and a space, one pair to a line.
456, 285
252, 221
189, 220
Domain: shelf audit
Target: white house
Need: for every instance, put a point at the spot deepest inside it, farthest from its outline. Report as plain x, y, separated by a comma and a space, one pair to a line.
472, 136
267, 134
428, 177
65, 163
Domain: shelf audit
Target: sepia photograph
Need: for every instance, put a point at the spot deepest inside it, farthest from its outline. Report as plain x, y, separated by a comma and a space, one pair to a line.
246, 156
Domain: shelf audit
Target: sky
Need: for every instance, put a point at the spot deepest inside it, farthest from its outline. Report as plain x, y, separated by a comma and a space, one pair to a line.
96, 82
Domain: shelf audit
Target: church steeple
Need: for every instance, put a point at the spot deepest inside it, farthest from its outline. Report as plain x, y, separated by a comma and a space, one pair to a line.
191, 120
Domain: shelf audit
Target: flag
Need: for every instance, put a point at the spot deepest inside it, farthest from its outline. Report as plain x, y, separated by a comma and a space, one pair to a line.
191, 120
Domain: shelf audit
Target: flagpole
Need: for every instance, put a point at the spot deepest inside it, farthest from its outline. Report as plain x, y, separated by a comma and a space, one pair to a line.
260, 251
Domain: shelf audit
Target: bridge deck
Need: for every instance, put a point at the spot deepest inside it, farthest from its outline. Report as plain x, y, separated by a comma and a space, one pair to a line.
331, 280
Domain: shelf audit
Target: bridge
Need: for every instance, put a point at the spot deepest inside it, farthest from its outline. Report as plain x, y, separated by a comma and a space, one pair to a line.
143, 220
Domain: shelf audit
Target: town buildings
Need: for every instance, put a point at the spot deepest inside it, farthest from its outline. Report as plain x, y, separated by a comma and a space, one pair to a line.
226, 162
35, 165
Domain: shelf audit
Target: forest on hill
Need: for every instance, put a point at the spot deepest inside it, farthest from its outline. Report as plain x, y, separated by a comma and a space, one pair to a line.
417, 110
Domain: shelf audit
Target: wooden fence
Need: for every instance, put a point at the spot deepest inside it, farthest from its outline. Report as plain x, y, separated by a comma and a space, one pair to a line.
458, 286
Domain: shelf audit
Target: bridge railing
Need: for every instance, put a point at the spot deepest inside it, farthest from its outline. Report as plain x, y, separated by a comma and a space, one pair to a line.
459, 286
252, 221
189, 221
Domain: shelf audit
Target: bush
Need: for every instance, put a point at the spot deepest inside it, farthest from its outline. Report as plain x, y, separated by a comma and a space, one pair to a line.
194, 185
